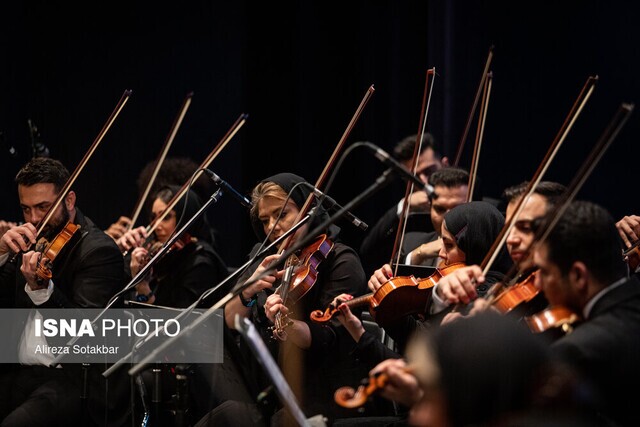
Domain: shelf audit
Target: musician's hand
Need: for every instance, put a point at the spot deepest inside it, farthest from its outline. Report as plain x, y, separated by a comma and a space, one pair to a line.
6, 225
139, 258
273, 305
629, 229
28, 269
118, 228
18, 238
264, 283
426, 251
419, 202
349, 320
380, 277
401, 386
460, 285
133, 238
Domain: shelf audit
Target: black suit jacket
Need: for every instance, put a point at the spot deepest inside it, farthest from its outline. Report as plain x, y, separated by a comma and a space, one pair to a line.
606, 349
87, 272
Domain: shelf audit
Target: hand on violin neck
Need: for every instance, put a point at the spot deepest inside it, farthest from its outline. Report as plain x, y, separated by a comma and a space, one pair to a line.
139, 258
350, 321
380, 277
29, 269
401, 385
273, 306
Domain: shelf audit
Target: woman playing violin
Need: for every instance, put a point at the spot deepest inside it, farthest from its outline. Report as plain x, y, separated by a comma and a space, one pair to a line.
467, 232
186, 270
580, 268
459, 287
320, 348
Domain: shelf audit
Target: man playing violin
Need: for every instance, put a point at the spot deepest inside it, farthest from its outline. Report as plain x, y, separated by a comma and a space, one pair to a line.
580, 268
378, 242
87, 271
460, 285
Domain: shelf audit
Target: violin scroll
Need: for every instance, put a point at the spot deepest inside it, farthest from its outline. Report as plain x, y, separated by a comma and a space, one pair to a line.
347, 397
52, 249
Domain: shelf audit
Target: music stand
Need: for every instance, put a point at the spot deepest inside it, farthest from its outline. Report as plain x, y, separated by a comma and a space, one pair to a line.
261, 353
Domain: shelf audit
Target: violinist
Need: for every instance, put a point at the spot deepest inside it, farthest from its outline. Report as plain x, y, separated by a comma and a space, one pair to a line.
629, 229
378, 242
485, 371
580, 268
468, 231
86, 273
319, 350
451, 186
459, 287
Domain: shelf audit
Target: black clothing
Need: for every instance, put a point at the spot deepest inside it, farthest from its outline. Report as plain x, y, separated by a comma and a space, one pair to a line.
86, 273
377, 246
605, 349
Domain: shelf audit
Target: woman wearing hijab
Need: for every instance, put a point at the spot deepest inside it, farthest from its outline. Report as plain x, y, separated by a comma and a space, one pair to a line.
468, 232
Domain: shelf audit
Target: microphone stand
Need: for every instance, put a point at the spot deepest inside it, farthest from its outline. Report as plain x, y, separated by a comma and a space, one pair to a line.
143, 271
185, 311
380, 182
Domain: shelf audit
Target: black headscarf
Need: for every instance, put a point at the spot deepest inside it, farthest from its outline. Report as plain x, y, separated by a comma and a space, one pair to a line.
287, 181
476, 225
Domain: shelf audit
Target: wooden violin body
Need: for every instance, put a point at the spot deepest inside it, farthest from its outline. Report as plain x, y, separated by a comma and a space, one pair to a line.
554, 322
521, 299
398, 297
52, 249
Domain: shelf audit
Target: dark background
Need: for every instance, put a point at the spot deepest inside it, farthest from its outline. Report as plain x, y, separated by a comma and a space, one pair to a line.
300, 69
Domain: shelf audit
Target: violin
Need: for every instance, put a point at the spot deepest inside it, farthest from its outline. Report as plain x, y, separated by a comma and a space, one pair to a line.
52, 249
555, 322
347, 397
301, 273
398, 297
521, 298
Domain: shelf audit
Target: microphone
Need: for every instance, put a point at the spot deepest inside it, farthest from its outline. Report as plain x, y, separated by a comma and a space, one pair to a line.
37, 146
404, 173
224, 184
329, 203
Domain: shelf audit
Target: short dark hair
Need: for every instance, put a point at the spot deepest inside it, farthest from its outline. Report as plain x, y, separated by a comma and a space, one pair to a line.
449, 177
586, 232
552, 191
41, 170
403, 151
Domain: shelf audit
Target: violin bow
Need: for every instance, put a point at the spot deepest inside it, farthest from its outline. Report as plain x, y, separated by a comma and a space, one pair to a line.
472, 113
240, 121
123, 100
402, 225
608, 136
482, 117
161, 156
325, 172
575, 111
